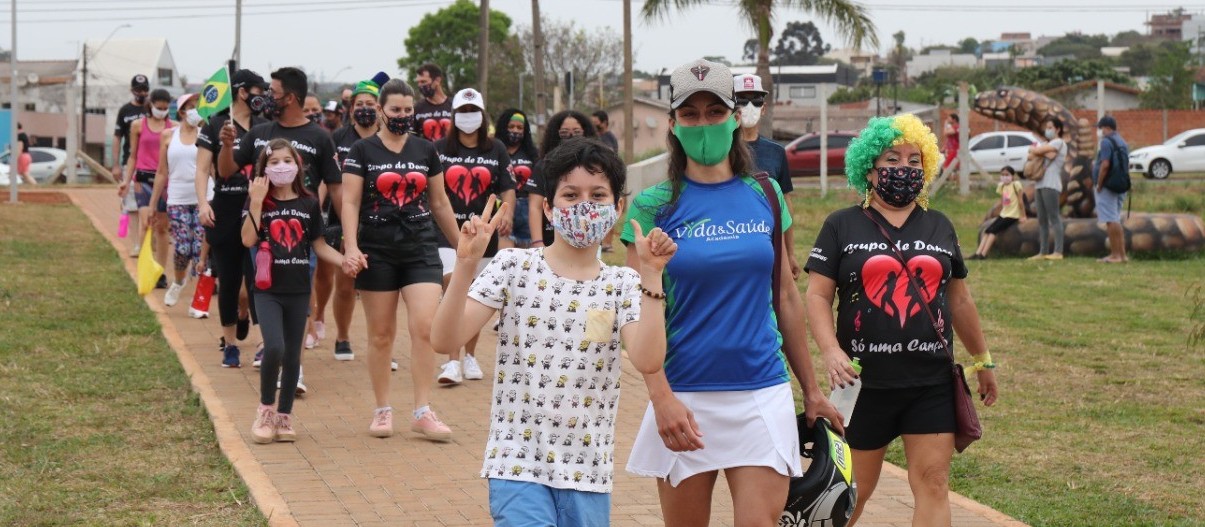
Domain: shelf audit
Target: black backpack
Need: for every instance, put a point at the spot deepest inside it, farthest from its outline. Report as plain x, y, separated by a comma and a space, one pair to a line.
1118, 178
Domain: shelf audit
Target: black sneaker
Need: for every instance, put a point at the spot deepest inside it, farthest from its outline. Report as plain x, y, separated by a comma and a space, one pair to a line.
230, 358
343, 350
242, 327
162, 283
222, 344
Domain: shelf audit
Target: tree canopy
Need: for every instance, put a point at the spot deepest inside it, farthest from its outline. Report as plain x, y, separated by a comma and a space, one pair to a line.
448, 37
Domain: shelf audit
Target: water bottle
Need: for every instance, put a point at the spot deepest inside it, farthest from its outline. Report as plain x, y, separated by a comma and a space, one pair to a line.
123, 225
845, 398
263, 266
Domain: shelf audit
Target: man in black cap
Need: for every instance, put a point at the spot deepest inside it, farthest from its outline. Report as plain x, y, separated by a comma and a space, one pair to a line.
127, 114
1112, 158
222, 217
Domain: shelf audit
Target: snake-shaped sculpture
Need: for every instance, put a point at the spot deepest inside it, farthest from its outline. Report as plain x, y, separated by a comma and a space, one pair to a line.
1031, 110
1144, 232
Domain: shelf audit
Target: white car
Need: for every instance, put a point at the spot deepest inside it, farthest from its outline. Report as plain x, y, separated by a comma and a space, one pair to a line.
44, 162
1184, 152
994, 150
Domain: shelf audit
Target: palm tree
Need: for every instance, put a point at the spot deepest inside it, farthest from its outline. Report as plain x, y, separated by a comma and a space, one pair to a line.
849, 16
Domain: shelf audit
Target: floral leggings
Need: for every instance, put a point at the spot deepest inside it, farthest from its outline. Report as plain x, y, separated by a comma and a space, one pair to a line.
187, 232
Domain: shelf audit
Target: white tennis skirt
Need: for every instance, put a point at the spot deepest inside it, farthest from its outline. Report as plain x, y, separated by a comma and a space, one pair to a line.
740, 429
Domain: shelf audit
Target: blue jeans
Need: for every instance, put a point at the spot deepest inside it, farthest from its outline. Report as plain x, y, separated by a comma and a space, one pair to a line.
523, 504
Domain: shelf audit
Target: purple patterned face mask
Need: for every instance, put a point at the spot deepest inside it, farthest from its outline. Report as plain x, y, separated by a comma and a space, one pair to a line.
585, 223
899, 186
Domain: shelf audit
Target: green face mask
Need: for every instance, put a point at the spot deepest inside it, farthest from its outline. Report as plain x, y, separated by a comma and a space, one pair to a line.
709, 144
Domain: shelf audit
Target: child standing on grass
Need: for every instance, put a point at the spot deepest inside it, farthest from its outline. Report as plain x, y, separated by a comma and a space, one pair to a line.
284, 219
1012, 210
563, 313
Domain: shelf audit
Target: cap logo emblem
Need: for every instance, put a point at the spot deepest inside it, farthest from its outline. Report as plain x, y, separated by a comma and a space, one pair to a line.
700, 71
470, 95
748, 83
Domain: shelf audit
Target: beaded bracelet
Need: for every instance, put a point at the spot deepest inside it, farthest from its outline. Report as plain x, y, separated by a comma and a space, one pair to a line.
650, 294
983, 362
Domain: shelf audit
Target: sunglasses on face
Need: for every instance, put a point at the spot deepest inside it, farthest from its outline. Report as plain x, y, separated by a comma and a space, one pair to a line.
756, 101
566, 134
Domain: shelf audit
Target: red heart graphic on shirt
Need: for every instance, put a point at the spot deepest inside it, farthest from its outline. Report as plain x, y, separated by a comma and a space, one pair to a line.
436, 129
286, 233
467, 184
886, 284
399, 189
522, 174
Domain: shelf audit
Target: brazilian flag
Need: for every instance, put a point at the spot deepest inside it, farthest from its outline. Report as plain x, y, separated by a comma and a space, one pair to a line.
215, 95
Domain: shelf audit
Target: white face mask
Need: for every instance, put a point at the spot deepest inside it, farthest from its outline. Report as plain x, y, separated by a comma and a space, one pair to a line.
468, 122
159, 114
750, 115
192, 117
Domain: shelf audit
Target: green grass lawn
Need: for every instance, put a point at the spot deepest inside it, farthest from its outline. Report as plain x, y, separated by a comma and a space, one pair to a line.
1101, 419
98, 425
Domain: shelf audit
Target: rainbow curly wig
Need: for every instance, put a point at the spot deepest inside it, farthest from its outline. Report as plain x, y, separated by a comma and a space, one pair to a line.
881, 133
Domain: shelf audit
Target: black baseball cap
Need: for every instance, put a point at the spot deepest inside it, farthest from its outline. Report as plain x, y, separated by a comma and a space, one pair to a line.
140, 82
247, 79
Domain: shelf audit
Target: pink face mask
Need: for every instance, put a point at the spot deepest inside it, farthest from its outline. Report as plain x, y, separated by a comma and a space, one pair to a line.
281, 174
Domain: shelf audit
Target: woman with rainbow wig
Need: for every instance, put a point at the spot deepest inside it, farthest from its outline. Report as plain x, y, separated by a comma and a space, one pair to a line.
884, 323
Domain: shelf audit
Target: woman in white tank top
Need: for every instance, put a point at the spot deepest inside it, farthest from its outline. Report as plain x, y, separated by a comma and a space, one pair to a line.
176, 176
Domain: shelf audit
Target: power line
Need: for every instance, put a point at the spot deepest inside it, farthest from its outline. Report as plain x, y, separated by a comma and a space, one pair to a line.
315, 7
211, 6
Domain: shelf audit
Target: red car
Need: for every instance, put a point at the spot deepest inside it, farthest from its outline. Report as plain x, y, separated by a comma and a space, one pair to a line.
803, 154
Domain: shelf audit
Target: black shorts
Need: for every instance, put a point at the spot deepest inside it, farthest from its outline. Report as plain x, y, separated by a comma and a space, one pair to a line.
881, 415
399, 255
1000, 225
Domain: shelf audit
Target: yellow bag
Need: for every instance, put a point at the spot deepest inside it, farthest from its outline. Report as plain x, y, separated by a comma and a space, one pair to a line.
149, 270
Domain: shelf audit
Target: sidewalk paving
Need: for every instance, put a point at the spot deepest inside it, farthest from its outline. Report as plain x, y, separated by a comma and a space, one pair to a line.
336, 475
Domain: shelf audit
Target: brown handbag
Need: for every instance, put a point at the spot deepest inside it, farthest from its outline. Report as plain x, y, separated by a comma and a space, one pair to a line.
967, 426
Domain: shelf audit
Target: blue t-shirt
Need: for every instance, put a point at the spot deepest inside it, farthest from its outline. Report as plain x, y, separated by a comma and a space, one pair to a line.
1106, 152
722, 333
771, 157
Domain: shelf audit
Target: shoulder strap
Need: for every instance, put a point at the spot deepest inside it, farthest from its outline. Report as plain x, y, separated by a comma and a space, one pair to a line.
763, 179
912, 282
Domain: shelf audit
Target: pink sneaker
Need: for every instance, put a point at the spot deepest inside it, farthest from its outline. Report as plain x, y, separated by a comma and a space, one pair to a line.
320, 330
263, 431
430, 426
382, 423
284, 428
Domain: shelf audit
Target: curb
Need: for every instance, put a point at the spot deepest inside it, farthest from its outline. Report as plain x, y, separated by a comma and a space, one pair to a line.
263, 493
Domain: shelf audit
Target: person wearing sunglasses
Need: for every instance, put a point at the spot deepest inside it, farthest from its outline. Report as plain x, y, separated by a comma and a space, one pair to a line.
768, 156
561, 126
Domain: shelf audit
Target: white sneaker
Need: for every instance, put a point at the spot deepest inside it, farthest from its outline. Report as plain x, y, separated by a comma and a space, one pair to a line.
193, 313
173, 294
451, 376
137, 248
392, 364
301, 389
472, 370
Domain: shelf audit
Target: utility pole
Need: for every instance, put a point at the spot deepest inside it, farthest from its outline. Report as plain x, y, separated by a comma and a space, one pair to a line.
483, 51
13, 176
83, 105
238, 32
538, 35
629, 126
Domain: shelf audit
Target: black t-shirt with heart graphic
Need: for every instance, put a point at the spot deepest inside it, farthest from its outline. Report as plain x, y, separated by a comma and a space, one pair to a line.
470, 176
521, 166
433, 121
312, 142
290, 228
880, 319
395, 183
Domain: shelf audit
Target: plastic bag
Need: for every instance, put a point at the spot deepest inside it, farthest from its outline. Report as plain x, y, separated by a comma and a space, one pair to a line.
149, 270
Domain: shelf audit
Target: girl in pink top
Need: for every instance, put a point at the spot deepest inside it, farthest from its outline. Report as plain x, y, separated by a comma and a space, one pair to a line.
141, 167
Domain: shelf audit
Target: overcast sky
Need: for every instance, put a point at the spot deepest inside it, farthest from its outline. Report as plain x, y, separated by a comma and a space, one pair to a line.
349, 40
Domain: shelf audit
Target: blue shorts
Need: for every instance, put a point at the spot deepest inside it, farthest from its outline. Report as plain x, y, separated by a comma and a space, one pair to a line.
142, 195
1108, 205
521, 233
523, 504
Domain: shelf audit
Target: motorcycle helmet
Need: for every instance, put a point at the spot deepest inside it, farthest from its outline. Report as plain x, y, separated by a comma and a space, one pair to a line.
826, 493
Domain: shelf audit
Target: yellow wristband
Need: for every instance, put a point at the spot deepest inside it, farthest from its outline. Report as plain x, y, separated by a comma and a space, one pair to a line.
983, 362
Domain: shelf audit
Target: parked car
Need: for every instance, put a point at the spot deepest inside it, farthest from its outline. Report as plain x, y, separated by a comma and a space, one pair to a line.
1184, 152
994, 150
44, 163
803, 154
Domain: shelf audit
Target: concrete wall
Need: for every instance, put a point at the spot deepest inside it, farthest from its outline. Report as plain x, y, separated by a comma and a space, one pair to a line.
647, 173
645, 138
1139, 127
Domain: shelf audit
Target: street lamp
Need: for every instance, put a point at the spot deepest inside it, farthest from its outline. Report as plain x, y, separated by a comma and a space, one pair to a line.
84, 80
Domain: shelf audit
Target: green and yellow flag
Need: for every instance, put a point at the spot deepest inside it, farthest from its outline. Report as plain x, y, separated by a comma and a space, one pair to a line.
215, 95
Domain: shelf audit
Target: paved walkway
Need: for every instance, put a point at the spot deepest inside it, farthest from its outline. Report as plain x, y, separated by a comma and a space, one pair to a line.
335, 474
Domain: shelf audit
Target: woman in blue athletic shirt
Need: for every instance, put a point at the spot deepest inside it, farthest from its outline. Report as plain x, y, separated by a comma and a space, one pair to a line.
723, 399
